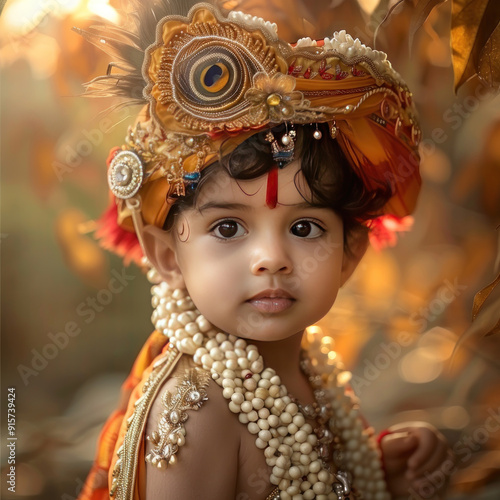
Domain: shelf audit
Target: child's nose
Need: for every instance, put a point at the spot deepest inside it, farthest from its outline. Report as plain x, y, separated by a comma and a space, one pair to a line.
272, 257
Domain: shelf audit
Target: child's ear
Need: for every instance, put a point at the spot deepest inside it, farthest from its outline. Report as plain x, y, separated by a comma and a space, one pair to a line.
358, 243
159, 249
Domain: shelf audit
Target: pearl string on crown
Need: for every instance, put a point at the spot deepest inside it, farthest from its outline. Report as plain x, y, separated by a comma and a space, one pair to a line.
255, 393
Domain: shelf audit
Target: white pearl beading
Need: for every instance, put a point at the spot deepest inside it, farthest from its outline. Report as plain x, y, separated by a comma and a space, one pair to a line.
262, 403
351, 50
249, 21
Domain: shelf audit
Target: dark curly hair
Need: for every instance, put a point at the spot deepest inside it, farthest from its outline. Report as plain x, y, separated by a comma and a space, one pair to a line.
329, 175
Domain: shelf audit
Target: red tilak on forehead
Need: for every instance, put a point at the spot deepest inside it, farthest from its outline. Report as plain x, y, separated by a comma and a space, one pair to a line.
272, 187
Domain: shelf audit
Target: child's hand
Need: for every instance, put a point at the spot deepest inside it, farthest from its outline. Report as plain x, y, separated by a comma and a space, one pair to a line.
417, 460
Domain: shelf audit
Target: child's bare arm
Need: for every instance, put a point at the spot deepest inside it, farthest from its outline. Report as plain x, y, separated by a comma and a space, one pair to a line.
416, 458
207, 464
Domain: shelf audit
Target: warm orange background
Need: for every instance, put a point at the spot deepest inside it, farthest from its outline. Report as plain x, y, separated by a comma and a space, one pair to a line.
395, 324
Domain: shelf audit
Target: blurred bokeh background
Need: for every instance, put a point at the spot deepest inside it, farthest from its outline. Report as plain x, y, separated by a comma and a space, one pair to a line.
68, 339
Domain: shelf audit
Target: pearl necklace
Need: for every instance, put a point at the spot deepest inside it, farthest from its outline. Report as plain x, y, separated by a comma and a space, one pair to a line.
298, 457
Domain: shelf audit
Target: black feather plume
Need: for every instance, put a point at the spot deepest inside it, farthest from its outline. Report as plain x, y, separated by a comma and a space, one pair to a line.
127, 46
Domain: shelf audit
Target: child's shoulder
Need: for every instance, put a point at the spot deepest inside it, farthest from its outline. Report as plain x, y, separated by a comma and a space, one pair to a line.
188, 396
190, 414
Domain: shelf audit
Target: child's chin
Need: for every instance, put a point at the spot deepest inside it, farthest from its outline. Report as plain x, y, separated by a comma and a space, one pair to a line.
269, 336
258, 327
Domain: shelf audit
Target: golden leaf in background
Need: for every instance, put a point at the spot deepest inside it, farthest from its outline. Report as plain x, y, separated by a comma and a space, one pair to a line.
475, 39
482, 472
477, 173
481, 297
82, 255
485, 322
422, 10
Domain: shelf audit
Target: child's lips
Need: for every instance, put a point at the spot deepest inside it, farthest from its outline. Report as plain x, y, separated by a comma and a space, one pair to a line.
272, 301
271, 305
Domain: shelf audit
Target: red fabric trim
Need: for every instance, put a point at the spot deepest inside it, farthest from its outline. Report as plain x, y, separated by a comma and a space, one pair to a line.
382, 435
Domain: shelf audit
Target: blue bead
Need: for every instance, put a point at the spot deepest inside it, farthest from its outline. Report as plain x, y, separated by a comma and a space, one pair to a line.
191, 176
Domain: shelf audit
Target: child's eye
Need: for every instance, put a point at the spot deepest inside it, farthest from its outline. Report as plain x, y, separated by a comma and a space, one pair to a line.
307, 229
228, 229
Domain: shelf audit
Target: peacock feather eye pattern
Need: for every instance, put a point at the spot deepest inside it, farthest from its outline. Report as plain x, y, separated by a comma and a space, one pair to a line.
211, 77
199, 72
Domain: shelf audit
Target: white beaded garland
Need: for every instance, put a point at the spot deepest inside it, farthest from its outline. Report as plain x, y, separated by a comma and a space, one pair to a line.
255, 393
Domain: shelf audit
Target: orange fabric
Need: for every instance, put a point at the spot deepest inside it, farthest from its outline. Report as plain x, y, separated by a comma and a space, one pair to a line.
96, 486
378, 154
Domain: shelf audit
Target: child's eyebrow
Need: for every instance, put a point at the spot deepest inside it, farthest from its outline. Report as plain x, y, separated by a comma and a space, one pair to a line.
227, 206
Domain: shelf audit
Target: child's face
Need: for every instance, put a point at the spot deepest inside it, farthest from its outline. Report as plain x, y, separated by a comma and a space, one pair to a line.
256, 272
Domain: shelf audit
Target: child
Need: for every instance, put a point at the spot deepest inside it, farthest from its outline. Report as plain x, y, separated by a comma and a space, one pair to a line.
252, 161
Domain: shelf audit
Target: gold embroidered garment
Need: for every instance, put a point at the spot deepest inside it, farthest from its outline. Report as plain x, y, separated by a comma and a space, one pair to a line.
128, 466
171, 434
121, 449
